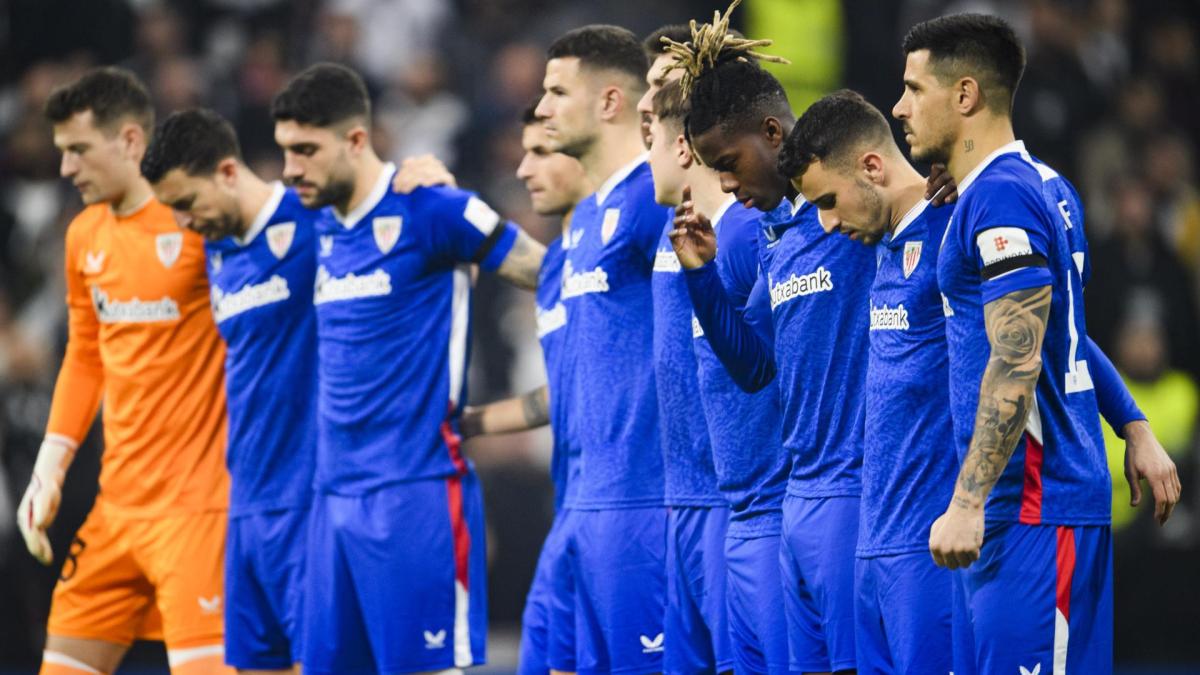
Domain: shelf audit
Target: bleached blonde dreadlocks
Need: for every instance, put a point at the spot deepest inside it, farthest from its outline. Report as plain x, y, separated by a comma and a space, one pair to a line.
712, 44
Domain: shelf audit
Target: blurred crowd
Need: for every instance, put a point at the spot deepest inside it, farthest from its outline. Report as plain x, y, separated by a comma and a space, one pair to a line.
1111, 97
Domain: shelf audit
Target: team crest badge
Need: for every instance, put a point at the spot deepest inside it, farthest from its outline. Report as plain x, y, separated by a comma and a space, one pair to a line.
387, 232
609, 227
216, 261
912, 256
168, 247
279, 238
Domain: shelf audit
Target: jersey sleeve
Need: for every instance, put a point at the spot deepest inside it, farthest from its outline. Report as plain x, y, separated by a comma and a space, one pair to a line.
1007, 232
462, 227
80, 385
1112, 396
732, 333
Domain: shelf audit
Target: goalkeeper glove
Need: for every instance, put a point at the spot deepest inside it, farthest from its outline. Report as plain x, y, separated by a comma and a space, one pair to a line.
39, 506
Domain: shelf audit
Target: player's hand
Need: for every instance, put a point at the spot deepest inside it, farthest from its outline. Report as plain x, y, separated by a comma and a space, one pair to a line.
957, 536
1145, 459
693, 238
39, 506
940, 187
421, 171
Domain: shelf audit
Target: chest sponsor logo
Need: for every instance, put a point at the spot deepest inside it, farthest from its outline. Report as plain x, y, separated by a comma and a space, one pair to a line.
250, 296
609, 226
912, 256
134, 310
550, 320
697, 329
795, 286
326, 245
279, 238
889, 318
168, 247
666, 261
575, 284
216, 261
651, 645
387, 232
93, 262
329, 288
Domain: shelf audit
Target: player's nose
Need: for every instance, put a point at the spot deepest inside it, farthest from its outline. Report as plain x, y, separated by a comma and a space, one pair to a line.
900, 110
729, 184
543, 109
829, 221
67, 166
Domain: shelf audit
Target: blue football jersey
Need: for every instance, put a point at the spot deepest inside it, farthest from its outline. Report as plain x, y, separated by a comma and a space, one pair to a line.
687, 452
606, 290
908, 469
551, 332
1009, 233
817, 285
392, 297
261, 285
747, 440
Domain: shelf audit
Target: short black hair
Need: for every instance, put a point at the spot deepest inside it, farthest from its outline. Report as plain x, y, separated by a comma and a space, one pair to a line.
112, 94
669, 106
653, 45
193, 140
831, 128
981, 46
603, 47
735, 94
323, 95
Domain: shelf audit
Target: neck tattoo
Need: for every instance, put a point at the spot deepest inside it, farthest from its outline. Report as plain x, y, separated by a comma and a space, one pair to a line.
969, 145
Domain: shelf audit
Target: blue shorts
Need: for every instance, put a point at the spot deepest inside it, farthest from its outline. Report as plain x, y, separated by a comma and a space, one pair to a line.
1039, 595
264, 577
757, 626
396, 579
548, 622
902, 614
619, 564
695, 626
819, 538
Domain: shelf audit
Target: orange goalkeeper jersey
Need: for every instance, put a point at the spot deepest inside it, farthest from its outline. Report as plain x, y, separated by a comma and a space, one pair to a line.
142, 341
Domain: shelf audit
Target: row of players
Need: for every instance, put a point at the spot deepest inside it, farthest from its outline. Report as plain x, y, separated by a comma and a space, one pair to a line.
760, 563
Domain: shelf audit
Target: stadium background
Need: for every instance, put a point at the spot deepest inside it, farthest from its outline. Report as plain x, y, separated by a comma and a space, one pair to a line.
1111, 97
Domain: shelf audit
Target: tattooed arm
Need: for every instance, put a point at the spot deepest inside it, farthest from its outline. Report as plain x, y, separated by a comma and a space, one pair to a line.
1016, 326
522, 264
520, 413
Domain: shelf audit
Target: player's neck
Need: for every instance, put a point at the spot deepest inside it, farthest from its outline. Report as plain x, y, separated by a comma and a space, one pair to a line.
980, 137
706, 190
616, 146
566, 220
366, 174
136, 195
905, 191
253, 195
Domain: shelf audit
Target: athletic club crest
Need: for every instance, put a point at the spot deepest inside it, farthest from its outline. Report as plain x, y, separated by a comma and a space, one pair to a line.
609, 227
168, 247
279, 238
912, 256
387, 232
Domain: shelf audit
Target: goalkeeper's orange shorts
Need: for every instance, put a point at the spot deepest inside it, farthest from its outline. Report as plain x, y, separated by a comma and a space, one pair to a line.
152, 579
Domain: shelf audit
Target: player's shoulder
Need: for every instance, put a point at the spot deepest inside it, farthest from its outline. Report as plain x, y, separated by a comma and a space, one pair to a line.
1007, 173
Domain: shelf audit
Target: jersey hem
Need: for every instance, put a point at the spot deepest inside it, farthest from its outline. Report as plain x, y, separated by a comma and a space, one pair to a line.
1105, 521
699, 502
584, 505
254, 509
823, 494
888, 551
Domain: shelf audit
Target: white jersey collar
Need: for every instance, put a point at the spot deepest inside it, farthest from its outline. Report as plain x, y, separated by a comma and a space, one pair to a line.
1015, 146
264, 214
373, 198
912, 215
618, 176
721, 210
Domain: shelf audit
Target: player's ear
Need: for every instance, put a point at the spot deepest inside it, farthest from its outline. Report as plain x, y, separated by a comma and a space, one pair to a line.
358, 138
683, 152
870, 164
967, 96
772, 130
227, 170
133, 140
612, 101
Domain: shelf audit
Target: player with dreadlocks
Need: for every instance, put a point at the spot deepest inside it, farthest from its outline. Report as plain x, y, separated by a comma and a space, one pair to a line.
748, 464
808, 282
